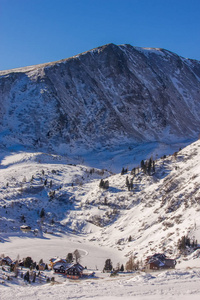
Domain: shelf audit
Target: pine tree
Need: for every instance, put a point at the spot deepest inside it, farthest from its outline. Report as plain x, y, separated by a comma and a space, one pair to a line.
127, 182
27, 262
104, 184
123, 171
131, 184
69, 257
42, 213
142, 164
122, 268
34, 277
108, 265
154, 166
149, 166
101, 183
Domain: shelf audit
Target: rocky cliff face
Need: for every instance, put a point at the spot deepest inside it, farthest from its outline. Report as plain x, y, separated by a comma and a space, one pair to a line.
102, 98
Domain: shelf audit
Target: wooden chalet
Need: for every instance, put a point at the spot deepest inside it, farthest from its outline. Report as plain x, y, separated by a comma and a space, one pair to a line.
159, 261
75, 271
6, 261
61, 267
56, 260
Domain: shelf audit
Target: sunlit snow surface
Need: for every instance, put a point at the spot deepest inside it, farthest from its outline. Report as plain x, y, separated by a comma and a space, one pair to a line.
161, 209
160, 286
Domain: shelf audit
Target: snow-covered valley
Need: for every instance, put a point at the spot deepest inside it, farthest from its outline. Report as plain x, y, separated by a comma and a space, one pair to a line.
78, 214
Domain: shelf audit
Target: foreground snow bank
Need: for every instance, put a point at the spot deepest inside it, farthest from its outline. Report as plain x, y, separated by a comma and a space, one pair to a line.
176, 284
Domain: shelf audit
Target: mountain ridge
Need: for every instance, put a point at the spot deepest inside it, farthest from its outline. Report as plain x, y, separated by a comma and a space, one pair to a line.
102, 98
29, 68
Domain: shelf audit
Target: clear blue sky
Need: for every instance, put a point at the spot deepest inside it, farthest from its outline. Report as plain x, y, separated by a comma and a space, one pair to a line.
38, 31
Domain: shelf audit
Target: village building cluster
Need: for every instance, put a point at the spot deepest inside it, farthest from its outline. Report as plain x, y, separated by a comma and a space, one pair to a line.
26, 266
41, 272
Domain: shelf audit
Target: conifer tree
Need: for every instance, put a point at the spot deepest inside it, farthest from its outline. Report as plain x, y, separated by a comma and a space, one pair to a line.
42, 213
127, 181
108, 265
123, 171
122, 268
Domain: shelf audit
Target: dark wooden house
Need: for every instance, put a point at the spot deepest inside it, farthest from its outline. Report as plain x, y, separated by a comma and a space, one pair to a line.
75, 271
159, 261
6, 261
60, 269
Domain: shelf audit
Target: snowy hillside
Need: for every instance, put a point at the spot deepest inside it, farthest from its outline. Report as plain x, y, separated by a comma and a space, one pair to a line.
108, 99
51, 196
101, 223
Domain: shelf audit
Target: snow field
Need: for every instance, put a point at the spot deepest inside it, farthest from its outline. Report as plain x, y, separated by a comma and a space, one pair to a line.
160, 210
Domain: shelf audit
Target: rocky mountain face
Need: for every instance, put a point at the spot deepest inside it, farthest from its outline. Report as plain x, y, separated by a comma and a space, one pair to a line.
109, 96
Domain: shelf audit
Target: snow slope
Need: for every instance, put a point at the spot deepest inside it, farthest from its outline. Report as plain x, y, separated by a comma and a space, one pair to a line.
162, 286
160, 210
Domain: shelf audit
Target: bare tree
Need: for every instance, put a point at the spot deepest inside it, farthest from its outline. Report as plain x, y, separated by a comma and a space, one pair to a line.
16, 269
131, 265
77, 256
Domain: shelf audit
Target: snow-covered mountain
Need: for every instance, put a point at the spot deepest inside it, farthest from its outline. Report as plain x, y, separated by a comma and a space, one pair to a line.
110, 98
109, 107
102, 99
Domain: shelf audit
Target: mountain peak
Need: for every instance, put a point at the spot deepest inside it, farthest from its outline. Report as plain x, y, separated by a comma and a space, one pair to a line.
108, 96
